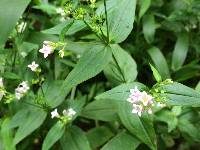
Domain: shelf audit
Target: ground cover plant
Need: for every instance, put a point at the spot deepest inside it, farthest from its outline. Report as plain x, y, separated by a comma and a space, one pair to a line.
99, 74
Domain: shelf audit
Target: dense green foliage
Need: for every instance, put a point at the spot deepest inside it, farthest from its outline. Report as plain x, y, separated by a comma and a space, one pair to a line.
76, 91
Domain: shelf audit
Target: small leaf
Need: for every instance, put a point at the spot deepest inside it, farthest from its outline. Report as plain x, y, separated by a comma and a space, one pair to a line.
180, 51
160, 62
149, 27
156, 74
122, 141
144, 5
74, 139
54, 134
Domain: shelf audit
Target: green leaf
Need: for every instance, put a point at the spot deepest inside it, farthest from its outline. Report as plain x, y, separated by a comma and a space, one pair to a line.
76, 26
7, 135
120, 20
54, 134
167, 117
122, 141
156, 74
98, 136
75, 139
90, 64
121, 92
144, 5
180, 51
179, 94
149, 27
122, 68
103, 109
141, 127
10, 12
34, 119
160, 62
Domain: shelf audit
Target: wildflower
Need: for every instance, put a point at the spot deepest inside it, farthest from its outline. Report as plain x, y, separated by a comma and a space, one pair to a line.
61, 53
69, 113
2, 91
47, 48
55, 114
21, 90
141, 101
33, 66
60, 11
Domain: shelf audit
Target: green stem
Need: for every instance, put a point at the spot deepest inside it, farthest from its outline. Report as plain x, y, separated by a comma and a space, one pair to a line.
106, 13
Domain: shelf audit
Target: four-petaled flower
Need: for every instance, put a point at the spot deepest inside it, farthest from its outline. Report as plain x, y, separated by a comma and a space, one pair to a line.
46, 49
21, 90
54, 114
33, 66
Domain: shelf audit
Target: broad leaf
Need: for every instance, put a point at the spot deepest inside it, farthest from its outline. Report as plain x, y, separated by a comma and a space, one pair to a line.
120, 19
103, 109
34, 119
10, 12
144, 5
98, 136
90, 64
120, 92
122, 68
54, 134
179, 94
141, 127
122, 141
75, 139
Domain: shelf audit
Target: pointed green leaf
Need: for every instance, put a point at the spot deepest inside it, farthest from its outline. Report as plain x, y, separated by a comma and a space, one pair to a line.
141, 127
90, 64
10, 12
75, 139
54, 134
122, 141
144, 5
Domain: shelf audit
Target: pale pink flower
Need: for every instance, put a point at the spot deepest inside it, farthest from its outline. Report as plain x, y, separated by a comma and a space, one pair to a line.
46, 49
137, 109
21, 90
70, 112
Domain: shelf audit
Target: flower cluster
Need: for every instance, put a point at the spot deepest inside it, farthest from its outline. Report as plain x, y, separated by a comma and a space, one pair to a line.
21, 90
67, 114
141, 101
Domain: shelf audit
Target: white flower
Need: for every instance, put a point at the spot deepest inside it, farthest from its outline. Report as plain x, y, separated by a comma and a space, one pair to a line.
146, 99
70, 112
137, 109
60, 11
2, 91
33, 66
21, 90
46, 49
55, 114
61, 53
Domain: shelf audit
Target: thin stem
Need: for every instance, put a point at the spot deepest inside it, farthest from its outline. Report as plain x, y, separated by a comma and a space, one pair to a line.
91, 29
106, 13
73, 93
